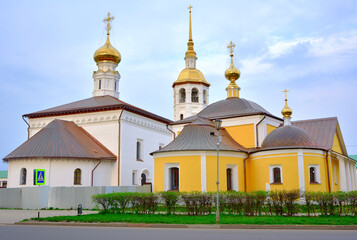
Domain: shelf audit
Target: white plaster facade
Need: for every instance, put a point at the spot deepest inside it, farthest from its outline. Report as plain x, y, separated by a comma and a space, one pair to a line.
106, 127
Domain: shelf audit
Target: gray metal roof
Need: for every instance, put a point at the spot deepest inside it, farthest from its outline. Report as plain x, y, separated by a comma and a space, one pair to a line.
230, 107
322, 130
94, 104
61, 139
289, 136
197, 136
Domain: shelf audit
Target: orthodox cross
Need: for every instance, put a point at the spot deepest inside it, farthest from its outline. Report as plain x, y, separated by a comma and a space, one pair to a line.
285, 91
189, 7
231, 46
108, 20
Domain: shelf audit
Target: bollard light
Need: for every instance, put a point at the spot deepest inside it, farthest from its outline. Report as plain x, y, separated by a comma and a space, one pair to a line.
79, 209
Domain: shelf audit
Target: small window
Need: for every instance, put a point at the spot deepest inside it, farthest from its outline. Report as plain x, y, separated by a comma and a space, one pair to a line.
115, 85
134, 178
312, 175
182, 95
100, 84
181, 116
174, 179
143, 179
229, 179
23, 176
194, 95
77, 177
204, 97
276, 175
139, 150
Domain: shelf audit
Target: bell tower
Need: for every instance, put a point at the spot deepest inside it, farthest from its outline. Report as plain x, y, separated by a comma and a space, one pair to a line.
191, 90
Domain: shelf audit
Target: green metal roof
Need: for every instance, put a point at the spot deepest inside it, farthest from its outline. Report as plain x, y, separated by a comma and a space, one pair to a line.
353, 157
3, 174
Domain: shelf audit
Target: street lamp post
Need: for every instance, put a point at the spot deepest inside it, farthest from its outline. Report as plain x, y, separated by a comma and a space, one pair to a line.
217, 124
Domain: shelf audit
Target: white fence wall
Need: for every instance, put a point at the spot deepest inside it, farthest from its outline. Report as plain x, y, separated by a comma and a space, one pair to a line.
57, 197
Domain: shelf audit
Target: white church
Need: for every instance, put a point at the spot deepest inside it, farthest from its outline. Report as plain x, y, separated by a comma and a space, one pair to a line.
98, 141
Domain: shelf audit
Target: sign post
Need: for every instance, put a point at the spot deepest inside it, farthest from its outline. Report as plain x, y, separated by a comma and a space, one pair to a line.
39, 179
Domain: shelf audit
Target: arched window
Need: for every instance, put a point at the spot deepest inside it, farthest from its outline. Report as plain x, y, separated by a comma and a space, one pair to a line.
115, 85
229, 179
143, 179
194, 95
77, 177
174, 179
181, 116
204, 97
313, 175
100, 84
182, 95
276, 175
23, 176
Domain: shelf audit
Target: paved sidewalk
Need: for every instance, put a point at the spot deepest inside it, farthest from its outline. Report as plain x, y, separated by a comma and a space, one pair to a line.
12, 216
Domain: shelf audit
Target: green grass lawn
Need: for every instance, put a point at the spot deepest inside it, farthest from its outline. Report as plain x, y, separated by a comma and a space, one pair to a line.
207, 219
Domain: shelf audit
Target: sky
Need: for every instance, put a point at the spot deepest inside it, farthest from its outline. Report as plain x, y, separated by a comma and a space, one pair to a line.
308, 47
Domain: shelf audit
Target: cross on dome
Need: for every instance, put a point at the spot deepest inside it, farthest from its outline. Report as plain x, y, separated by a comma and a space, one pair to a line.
189, 7
231, 46
108, 20
285, 91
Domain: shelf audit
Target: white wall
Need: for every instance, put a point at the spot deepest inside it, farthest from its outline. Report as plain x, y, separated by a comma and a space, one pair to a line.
152, 134
104, 126
60, 172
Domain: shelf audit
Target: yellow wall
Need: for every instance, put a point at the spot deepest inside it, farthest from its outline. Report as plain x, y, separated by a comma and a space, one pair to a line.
336, 187
319, 159
270, 128
258, 171
211, 170
243, 134
336, 145
189, 174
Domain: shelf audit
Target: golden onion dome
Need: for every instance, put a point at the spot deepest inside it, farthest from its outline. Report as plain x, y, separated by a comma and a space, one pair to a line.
286, 110
191, 75
107, 53
232, 73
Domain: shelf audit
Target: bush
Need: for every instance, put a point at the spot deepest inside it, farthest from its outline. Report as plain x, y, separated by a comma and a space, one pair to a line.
170, 201
198, 203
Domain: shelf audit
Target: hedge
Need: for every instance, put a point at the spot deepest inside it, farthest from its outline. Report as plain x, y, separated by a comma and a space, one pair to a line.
280, 203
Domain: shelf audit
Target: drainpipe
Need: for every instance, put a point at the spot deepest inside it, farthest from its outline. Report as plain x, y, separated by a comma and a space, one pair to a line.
119, 132
100, 161
328, 173
245, 173
167, 126
256, 128
28, 127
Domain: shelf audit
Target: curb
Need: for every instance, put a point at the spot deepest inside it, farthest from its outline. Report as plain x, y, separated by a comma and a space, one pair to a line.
193, 226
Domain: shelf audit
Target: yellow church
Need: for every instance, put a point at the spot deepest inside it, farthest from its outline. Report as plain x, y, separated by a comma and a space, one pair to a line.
257, 150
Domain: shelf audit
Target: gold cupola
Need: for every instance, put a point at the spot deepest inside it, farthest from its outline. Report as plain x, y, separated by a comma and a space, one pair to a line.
232, 74
287, 112
107, 52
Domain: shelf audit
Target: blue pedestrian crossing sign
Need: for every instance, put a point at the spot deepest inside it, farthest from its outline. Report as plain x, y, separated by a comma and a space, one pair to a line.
39, 176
